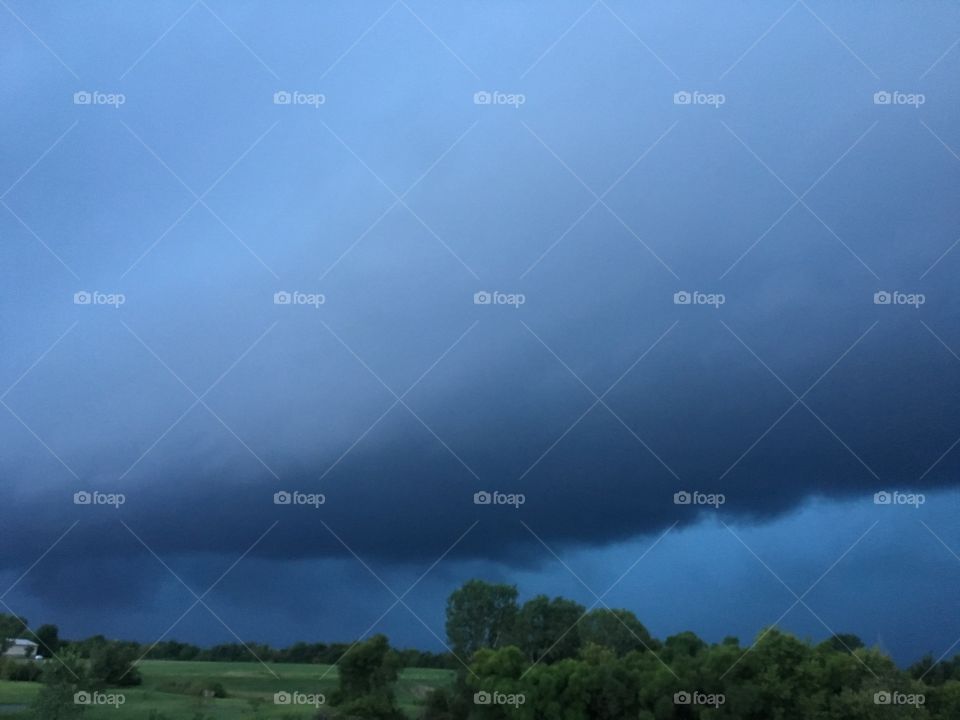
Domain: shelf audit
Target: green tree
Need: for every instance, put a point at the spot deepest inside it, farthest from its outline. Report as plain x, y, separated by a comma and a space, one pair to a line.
48, 638
495, 672
113, 664
11, 627
61, 680
480, 615
618, 630
843, 642
547, 630
368, 668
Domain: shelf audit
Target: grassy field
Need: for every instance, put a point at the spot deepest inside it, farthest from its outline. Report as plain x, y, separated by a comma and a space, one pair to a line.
168, 691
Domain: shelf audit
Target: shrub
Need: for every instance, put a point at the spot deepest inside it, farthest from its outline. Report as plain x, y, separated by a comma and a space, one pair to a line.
23, 672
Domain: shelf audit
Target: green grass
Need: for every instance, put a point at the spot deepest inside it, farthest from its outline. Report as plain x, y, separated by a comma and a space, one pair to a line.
164, 691
17, 692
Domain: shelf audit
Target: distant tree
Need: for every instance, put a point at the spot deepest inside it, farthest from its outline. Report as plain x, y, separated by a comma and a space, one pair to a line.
368, 668
48, 638
480, 615
618, 630
371, 707
61, 679
90, 645
843, 642
944, 701
495, 671
300, 652
547, 630
685, 644
11, 627
113, 665
367, 673
444, 704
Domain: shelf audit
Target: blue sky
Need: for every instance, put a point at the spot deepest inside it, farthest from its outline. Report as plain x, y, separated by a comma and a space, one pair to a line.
779, 163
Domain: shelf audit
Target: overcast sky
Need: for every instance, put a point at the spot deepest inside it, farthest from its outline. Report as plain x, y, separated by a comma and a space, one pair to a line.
786, 168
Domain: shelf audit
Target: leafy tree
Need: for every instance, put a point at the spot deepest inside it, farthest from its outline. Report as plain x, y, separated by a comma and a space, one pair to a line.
11, 627
618, 630
495, 671
48, 638
112, 664
378, 706
843, 642
444, 704
685, 644
547, 630
367, 672
368, 669
61, 679
944, 701
480, 615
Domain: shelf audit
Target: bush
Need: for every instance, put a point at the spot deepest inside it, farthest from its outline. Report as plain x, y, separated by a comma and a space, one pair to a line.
22, 672
443, 704
112, 665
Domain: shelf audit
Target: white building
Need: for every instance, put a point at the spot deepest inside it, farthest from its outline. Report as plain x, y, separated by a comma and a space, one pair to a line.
20, 648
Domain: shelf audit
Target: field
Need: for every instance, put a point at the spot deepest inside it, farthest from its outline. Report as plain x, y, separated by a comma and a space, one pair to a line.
168, 691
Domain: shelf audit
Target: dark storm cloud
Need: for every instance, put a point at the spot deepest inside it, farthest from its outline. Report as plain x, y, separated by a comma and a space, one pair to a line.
699, 397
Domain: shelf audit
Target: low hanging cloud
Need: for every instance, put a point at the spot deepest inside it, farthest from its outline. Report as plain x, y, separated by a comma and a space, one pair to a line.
496, 330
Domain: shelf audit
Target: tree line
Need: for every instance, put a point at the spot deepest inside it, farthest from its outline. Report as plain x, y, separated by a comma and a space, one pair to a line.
552, 658
50, 643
